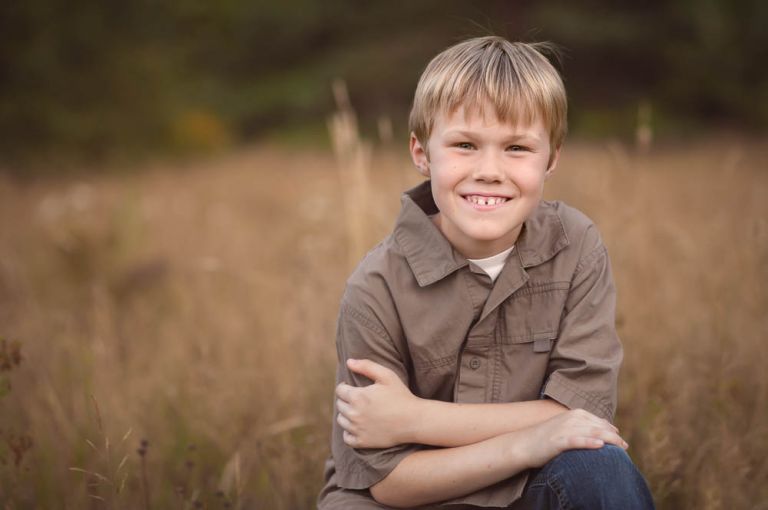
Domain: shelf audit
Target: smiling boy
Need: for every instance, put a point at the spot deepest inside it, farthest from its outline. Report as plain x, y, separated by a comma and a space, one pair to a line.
485, 321
487, 177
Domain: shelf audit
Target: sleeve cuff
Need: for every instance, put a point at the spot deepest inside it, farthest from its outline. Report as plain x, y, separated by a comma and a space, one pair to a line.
361, 473
559, 388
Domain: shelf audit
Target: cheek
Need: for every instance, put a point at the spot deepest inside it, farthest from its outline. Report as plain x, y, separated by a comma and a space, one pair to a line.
444, 191
445, 177
531, 181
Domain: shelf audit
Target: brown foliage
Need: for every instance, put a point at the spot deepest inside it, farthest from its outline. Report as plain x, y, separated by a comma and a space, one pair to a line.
197, 306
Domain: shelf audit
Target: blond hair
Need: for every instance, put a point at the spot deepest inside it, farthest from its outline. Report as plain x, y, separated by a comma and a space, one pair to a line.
515, 78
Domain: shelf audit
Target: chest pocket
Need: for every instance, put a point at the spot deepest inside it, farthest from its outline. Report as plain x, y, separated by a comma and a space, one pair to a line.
532, 315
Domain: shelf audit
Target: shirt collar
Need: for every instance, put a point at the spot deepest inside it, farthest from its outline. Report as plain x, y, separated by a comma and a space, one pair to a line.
432, 258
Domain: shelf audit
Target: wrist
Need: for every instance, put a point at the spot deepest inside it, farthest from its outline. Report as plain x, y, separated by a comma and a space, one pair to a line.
415, 431
517, 449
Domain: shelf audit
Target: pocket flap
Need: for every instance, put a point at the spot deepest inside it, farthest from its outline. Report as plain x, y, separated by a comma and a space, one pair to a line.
542, 345
542, 340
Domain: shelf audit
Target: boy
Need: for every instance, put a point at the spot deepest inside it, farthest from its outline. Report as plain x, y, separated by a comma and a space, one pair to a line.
486, 319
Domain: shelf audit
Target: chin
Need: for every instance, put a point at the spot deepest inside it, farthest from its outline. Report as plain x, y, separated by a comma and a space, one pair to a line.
488, 237
488, 230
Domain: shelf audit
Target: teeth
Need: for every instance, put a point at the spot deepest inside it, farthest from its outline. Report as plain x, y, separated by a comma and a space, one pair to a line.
476, 199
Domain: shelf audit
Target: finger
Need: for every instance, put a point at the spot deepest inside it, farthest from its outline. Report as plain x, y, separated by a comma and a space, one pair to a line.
615, 439
604, 424
580, 441
371, 370
604, 434
345, 408
601, 422
345, 423
344, 391
349, 438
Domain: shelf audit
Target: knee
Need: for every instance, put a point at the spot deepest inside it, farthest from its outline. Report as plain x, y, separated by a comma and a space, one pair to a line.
606, 465
593, 470
609, 456
600, 478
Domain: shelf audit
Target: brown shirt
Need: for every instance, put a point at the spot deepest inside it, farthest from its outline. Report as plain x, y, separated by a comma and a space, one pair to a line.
544, 329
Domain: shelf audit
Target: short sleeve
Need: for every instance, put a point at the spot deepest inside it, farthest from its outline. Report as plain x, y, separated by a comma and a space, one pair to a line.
584, 364
361, 335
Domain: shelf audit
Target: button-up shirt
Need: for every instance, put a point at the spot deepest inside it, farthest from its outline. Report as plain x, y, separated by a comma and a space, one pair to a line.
544, 329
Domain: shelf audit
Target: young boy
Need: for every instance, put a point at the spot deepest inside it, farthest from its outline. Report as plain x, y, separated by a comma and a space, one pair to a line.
477, 351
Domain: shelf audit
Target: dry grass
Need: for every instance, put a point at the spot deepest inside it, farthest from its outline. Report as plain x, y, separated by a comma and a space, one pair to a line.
196, 305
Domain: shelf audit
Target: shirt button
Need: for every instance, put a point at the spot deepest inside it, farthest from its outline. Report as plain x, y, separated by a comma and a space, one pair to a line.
474, 363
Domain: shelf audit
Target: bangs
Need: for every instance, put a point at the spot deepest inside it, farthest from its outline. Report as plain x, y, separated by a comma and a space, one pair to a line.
514, 79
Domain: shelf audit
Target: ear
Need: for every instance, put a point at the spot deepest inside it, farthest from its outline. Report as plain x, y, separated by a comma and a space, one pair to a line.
552, 164
419, 155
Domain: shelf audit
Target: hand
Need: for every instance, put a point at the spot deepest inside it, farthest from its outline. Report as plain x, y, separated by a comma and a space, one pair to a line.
570, 430
376, 416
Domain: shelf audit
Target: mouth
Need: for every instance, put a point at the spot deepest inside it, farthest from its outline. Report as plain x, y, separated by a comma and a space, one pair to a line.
484, 201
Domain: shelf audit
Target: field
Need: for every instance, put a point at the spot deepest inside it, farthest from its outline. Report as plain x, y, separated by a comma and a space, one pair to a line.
168, 333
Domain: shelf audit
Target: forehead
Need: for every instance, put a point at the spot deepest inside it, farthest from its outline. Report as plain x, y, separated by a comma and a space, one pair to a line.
485, 118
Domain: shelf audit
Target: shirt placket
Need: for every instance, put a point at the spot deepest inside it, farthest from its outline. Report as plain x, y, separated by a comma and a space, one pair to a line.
475, 364
476, 382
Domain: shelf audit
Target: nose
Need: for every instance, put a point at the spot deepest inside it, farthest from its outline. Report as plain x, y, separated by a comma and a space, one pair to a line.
488, 169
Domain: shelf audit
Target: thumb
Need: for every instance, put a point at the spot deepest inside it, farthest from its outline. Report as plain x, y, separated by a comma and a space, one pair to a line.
372, 370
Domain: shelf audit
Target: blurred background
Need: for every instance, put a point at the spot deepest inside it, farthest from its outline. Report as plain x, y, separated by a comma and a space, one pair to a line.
185, 186
96, 80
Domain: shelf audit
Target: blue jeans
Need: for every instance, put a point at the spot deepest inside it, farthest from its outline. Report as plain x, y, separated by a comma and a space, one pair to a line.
604, 478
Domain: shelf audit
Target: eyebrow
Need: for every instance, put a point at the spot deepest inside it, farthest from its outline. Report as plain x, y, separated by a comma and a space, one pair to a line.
524, 135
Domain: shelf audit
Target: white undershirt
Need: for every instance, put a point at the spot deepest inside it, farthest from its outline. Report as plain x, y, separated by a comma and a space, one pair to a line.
493, 264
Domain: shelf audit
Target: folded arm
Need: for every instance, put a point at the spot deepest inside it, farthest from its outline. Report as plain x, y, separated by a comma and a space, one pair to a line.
383, 412
456, 424
386, 413
430, 476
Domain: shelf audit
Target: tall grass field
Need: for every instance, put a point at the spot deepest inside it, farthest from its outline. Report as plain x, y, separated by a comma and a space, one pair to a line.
167, 334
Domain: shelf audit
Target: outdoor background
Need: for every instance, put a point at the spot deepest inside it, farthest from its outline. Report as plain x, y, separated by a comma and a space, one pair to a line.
185, 186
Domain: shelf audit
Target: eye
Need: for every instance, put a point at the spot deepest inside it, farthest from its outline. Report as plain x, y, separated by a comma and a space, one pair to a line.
517, 148
464, 145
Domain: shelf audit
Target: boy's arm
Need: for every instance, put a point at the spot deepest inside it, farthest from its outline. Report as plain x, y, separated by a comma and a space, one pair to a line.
436, 475
386, 413
364, 331
456, 424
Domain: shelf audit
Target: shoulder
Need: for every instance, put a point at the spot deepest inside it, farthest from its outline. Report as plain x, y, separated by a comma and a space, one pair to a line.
370, 289
581, 231
575, 223
379, 268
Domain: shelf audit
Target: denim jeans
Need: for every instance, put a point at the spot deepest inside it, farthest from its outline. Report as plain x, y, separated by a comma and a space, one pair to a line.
604, 478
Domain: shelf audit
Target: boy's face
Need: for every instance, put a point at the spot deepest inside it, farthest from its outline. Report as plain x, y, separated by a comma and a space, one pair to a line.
487, 178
